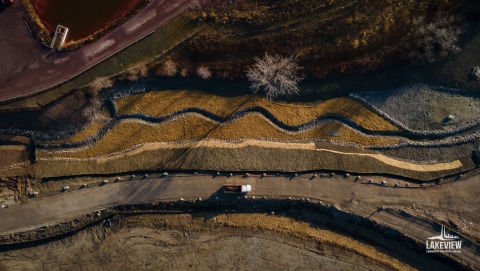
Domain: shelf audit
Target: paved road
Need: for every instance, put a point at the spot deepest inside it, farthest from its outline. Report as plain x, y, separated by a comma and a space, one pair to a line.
345, 193
18, 48
51, 67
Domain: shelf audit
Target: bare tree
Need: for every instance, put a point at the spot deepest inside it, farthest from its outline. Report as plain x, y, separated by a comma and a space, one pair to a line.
276, 75
204, 72
100, 83
441, 34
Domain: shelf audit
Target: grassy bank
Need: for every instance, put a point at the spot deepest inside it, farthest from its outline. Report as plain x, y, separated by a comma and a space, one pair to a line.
250, 158
163, 103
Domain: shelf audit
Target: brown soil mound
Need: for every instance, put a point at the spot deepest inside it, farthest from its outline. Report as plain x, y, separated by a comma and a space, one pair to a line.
166, 102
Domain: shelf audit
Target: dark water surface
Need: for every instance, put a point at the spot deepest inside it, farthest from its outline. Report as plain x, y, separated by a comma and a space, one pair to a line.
84, 17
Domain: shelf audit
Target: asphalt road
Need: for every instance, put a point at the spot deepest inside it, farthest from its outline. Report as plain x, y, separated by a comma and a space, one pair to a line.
18, 48
32, 67
345, 193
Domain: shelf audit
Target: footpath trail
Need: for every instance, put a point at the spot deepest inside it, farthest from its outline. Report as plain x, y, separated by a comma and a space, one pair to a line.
52, 67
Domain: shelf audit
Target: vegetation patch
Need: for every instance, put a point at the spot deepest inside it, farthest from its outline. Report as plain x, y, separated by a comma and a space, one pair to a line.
193, 127
329, 37
12, 154
194, 156
163, 103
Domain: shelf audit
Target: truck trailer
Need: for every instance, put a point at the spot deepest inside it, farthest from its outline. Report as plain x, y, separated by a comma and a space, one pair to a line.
237, 188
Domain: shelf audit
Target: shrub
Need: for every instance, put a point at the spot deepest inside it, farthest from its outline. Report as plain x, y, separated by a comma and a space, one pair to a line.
169, 68
204, 72
137, 72
276, 75
100, 83
184, 72
475, 73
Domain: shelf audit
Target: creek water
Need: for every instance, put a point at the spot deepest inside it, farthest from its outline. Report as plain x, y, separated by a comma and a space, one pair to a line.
82, 17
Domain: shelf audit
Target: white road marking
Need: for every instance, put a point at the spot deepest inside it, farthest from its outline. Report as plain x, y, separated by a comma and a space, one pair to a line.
100, 47
148, 16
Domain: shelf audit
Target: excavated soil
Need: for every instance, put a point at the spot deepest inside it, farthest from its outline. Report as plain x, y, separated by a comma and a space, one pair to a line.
199, 242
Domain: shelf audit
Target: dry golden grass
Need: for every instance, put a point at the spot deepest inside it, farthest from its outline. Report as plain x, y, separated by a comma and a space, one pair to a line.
195, 156
13, 154
128, 134
89, 131
166, 102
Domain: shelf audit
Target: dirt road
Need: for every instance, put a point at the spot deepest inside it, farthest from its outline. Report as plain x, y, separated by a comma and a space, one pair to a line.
345, 192
52, 67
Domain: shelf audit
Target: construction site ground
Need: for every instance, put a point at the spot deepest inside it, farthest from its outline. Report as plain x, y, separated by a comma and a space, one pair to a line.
454, 203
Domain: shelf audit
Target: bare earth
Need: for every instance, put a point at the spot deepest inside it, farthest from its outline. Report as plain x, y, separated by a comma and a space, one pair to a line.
172, 247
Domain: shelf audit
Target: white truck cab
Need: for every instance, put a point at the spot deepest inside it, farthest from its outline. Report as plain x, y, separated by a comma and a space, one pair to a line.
237, 188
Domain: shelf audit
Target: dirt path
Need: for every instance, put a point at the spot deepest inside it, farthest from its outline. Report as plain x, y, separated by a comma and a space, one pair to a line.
53, 67
361, 198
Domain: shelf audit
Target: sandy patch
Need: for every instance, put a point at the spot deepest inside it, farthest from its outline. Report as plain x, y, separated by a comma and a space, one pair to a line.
405, 165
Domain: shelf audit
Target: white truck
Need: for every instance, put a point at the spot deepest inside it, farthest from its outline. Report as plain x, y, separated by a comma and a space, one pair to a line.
237, 188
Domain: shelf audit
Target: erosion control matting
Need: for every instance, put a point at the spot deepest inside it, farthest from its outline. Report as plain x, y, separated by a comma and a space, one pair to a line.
162, 103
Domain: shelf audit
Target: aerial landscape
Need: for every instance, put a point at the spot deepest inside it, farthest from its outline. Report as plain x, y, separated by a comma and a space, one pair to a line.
240, 135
